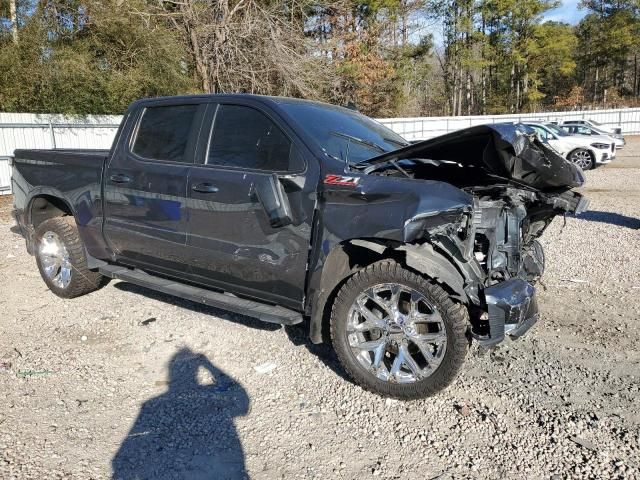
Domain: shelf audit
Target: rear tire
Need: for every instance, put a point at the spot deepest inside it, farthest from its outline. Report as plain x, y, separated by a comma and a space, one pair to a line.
583, 158
62, 260
398, 334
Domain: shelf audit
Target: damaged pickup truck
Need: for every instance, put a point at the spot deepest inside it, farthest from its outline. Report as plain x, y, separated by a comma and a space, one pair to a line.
293, 211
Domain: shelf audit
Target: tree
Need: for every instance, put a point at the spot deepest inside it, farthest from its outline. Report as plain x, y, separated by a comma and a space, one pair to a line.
552, 62
89, 57
610, 39
247, 46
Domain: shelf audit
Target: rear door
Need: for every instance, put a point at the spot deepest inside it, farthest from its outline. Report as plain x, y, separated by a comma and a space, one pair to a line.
251, 205
145, 187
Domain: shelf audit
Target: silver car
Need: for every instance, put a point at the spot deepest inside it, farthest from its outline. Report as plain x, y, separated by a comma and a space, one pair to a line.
580, 129
617, 129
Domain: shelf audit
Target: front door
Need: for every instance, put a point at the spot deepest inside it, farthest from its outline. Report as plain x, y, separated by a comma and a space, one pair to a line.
251, 205
145, 187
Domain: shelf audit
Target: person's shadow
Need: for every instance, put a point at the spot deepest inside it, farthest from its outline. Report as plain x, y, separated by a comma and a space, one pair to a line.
187, 432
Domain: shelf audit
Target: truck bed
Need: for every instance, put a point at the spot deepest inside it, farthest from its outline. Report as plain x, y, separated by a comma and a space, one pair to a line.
74, 175
67, 156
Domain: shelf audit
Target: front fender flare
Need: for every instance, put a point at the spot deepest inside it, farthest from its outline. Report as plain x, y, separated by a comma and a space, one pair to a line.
348, 257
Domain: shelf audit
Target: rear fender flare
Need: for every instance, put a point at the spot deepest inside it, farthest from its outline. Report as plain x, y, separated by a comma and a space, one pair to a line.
41, 192
27, 213
49, 192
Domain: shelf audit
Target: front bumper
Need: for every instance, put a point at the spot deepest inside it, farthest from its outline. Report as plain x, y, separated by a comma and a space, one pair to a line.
603, 158
512, 309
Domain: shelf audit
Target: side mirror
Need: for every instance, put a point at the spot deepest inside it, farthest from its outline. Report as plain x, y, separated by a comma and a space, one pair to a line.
271, 195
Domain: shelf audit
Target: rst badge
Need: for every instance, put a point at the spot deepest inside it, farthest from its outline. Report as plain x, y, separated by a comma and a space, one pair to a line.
341, 180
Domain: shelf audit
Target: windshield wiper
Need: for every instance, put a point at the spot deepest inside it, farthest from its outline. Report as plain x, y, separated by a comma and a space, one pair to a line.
379, 166
361, 141
391, 140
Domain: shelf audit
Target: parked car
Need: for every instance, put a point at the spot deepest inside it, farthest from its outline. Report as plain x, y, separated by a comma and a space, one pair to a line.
579, 129
295, 211
586, 152
617, 129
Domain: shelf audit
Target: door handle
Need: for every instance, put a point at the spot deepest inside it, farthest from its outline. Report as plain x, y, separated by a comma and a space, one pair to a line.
204, 188
120, 178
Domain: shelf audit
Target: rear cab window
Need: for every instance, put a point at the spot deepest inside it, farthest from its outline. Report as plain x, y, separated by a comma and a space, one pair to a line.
165, 133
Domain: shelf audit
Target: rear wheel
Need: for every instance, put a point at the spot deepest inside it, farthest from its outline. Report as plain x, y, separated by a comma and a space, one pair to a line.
582, 158
62, 261
397, 333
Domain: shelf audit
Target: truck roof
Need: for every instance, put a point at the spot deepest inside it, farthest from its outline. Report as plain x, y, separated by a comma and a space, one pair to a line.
230, 96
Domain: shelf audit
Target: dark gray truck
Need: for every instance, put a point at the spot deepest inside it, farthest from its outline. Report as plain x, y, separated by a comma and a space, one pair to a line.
293, 211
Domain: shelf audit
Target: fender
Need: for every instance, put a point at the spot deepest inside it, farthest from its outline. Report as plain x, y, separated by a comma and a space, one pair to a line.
361, 221
348, 257
90, 232
49, 191
24, 216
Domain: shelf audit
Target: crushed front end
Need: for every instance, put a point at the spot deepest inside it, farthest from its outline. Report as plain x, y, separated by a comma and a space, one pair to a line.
518, 186
509, 222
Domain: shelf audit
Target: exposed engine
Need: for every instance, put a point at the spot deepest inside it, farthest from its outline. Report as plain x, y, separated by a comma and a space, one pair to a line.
505, 242
516, 186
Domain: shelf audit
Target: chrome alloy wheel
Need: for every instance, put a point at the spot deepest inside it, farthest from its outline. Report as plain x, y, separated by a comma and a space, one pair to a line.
395, 333
54, 259
582, 158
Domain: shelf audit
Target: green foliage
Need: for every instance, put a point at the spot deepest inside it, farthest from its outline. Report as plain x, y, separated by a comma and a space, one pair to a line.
610, 42
492, 56
90, 57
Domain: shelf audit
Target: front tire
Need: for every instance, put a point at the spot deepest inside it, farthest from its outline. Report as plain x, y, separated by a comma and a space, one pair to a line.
62, 260
582, 158
398, 334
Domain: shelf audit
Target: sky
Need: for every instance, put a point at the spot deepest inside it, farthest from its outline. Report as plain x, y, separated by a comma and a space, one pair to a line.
568, 12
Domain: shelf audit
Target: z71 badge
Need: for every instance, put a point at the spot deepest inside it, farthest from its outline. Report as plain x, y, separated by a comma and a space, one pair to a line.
341, 180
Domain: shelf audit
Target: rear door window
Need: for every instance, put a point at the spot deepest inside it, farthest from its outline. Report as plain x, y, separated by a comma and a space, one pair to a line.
164, 132
246, 138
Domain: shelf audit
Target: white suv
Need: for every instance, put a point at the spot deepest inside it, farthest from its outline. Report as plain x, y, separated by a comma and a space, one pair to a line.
586, 152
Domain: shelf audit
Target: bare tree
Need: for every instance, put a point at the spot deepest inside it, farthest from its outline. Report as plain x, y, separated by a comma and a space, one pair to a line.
13, 17
247, 46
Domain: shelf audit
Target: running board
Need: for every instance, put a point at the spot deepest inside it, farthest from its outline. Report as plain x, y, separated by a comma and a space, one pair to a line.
261, 311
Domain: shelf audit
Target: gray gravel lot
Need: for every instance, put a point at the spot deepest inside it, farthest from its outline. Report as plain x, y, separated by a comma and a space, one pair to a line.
135, 384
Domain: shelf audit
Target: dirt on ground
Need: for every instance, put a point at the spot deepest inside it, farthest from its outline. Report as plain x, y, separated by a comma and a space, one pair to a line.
6, 204
128, 383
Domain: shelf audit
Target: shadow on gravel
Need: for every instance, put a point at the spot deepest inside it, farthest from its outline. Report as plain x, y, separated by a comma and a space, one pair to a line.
610, 218
187, 432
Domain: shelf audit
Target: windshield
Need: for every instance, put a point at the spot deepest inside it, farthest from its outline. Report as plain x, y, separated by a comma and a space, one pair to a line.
342, 133
557, 130
598, 124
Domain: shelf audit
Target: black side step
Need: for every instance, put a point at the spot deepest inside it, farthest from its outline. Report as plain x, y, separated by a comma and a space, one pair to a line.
261, 311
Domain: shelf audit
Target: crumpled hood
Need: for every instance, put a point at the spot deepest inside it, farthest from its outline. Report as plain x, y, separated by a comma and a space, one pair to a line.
510, 151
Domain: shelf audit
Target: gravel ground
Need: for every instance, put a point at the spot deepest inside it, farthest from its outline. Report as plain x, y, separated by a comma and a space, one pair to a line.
134, 384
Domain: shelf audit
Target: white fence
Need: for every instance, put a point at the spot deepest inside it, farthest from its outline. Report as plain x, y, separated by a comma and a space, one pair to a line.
5, 176
423, 128
26, 130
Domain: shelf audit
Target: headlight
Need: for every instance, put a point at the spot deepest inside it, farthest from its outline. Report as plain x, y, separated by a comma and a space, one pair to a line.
602, 146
